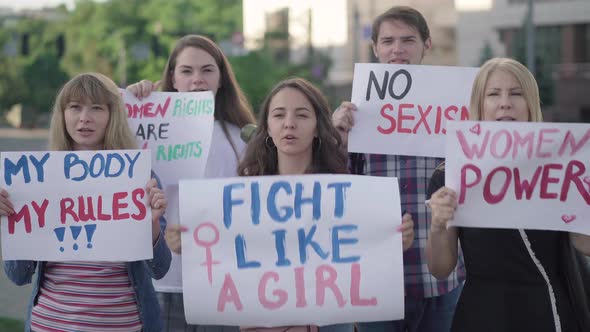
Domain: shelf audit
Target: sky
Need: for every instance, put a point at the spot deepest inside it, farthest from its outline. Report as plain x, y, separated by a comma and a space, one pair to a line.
30, 4
34, 4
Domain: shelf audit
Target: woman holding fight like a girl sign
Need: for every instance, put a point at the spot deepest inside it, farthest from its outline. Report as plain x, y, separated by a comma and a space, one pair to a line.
295, 136
517, 280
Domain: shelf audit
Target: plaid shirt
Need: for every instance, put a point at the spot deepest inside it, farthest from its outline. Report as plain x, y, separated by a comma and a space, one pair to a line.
413, 174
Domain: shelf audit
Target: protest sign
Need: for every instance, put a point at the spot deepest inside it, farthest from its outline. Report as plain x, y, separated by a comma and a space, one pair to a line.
404, 109
529, 175
177, 127
77, 205
276, 251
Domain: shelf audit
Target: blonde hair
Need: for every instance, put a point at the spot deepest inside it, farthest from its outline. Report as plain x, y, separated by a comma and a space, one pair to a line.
522, 75
98, 89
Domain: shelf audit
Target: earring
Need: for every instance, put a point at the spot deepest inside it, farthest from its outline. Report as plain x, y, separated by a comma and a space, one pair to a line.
269, 144
319, 142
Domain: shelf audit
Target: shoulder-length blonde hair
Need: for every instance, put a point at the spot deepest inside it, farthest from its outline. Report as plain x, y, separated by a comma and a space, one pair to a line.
522, 75
328, 154
99, 89
231, 105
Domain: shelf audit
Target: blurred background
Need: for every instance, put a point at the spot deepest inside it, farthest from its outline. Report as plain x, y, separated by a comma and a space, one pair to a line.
45, 42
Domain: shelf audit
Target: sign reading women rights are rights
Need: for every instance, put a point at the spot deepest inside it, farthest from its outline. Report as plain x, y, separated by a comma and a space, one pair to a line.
528, 175
318, 249
177, 128
77, 205
404, 109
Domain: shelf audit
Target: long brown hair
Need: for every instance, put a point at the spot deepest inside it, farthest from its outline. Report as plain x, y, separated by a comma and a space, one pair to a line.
98, 89
231, 104
328, 153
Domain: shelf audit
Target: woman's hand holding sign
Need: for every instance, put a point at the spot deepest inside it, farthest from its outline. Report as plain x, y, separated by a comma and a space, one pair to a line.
443, 204
143, 88
158, 203
173, 237
6, 207
441, 247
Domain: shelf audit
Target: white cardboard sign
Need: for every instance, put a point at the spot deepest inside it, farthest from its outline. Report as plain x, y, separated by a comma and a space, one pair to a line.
527, 175
404, 109
294, 250
77, 205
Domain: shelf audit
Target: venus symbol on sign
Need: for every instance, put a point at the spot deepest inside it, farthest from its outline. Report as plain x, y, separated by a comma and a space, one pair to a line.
207, 244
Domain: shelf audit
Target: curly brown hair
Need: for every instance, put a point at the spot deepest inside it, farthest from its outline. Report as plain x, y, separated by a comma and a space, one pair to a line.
328, 156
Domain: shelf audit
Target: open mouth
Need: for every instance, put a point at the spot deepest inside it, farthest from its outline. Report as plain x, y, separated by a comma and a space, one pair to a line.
85, 131
399, 61
506, 118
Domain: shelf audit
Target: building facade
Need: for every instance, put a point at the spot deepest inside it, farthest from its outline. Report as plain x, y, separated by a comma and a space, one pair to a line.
562, 49
342, 30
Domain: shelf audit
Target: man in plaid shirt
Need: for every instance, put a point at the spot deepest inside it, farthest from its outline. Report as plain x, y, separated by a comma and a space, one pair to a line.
401, 35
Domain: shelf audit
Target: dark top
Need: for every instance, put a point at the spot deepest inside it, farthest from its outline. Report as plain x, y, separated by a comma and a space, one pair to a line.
516, 280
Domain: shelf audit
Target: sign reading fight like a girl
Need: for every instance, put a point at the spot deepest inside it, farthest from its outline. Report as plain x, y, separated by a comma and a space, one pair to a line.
529, 175
291, 250
77, 205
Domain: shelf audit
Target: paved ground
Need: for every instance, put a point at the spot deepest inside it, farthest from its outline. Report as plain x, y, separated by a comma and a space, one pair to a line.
14, 299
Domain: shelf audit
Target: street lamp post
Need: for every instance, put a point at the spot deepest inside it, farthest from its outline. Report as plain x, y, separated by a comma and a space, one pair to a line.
530, 38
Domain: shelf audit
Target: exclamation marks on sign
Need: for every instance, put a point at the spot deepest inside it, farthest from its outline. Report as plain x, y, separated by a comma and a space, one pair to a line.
89, 232
75, 230
75, 233
59, 232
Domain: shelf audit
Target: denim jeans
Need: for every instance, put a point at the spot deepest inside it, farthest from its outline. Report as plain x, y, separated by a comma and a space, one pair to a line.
433, 314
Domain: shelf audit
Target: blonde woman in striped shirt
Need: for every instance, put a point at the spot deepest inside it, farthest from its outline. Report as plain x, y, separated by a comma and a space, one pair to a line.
93, 296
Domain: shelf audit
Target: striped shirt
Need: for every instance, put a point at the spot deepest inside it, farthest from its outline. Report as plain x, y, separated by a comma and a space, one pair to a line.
413, 174
85, 296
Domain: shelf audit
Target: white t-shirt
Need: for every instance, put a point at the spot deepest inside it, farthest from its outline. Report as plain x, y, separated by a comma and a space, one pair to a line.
222, 160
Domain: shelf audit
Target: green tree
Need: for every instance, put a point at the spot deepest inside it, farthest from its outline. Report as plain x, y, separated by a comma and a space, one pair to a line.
258, 71
32, 79
217, 19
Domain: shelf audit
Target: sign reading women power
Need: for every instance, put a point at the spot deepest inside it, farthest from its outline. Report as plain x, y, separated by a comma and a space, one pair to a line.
520, 175
404, 109
79, 205
318, 249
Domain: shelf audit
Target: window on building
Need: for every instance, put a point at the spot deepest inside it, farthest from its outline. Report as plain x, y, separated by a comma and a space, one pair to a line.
547, 54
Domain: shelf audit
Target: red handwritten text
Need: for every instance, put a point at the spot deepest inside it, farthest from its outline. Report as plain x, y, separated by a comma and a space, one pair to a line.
410, 118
